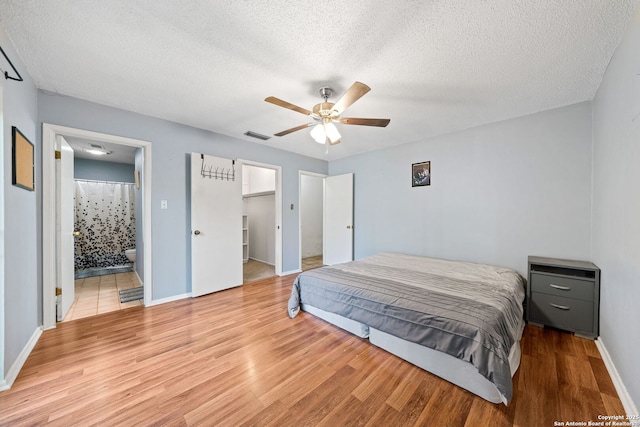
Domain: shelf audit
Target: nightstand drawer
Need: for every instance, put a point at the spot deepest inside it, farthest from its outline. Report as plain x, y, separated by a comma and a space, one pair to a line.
563, 313
562, 286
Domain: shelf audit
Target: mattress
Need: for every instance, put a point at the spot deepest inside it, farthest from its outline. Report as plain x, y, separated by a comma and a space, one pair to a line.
472, 312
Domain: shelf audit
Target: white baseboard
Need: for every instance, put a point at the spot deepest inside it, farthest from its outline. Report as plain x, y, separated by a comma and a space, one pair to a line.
262, 261
14, 370
168, 299
629, 406
286, 273
139, 279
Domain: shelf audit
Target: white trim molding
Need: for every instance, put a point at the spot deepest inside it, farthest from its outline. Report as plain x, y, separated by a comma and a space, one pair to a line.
286, 273
629, 406
14, 370
168, 299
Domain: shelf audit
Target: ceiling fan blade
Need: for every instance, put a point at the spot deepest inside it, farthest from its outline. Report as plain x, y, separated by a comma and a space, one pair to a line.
355, 92
288, 131
364, 122
285, 104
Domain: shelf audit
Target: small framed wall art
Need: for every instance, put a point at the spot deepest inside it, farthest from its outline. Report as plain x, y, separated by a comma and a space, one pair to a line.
22, 161
421, 174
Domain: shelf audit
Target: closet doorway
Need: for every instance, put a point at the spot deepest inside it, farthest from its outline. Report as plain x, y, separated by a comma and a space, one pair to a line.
261, 219
311, 219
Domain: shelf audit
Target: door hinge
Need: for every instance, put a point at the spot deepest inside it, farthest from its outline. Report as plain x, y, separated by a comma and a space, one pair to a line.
58, 291
58, 154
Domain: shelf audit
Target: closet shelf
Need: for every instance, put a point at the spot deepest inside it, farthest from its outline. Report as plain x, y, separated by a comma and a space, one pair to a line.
262, 193
245, 238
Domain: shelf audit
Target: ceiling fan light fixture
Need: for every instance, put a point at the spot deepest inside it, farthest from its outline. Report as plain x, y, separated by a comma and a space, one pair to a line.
332, 132
319, 134
326, 113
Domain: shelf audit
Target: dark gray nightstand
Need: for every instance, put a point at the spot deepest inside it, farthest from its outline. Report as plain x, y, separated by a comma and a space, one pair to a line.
564, 294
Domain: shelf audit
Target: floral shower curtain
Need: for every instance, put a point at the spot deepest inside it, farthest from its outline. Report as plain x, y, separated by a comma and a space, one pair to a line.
105, 218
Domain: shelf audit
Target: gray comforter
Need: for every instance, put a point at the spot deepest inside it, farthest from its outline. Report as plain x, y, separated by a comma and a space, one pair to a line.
471, 311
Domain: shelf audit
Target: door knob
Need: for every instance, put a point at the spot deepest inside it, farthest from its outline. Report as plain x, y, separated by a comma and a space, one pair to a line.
197, 232
349, 227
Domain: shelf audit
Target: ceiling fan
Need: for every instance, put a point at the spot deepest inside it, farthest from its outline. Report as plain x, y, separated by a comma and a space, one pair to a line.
326, 113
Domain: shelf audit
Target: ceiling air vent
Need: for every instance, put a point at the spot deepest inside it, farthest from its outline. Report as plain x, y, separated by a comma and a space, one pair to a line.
257, 135
96, 149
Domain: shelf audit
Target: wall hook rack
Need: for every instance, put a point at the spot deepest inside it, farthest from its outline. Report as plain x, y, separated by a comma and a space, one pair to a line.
6, 73
216, 172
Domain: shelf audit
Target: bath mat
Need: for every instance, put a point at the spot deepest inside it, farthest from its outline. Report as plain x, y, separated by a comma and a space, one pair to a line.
102, 271
132, 294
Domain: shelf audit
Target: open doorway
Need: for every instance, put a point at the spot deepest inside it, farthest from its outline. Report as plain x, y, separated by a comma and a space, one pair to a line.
311, 220
107, 216
261, 219
55, 258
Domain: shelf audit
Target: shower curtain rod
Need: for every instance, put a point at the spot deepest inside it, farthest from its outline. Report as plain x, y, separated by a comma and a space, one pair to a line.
104, 182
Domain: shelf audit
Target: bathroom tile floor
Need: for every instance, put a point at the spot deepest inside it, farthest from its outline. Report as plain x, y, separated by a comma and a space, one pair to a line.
99, 294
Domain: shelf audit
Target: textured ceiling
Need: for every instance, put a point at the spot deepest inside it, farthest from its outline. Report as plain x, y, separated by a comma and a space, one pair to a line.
434, 66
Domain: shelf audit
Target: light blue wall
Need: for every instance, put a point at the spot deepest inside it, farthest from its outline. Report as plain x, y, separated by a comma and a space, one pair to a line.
498, 192
102, 171
616, 206
171, 145
21, 312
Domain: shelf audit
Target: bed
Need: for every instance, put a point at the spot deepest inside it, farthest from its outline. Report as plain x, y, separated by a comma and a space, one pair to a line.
461, 321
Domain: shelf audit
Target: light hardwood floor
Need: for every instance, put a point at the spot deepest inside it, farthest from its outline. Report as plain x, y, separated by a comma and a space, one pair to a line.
311, 262
234, 358
99, 294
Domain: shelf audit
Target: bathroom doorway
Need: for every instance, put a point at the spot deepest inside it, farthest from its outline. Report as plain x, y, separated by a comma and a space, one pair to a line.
139, 153
106, 213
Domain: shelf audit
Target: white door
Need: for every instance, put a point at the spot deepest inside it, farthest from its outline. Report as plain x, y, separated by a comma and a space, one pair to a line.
216, 224
64, 226
338, 219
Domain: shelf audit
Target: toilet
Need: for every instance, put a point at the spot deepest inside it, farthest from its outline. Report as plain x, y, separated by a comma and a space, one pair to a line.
130, 254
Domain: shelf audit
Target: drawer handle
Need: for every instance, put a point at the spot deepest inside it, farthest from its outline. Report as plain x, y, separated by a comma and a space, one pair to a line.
562, 288
561, 307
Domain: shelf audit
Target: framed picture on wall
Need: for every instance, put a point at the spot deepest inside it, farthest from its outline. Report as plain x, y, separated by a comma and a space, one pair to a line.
421, 174
22, 175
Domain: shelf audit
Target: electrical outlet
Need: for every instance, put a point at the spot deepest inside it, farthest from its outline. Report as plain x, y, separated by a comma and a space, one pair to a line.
163, 204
